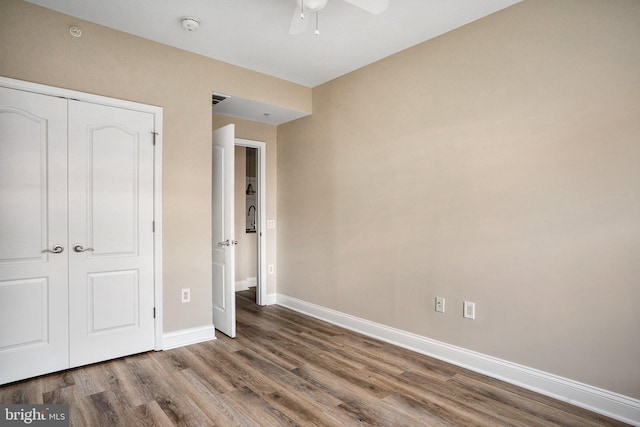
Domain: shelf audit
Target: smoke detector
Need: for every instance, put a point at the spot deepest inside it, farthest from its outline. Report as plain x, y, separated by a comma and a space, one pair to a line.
190, 24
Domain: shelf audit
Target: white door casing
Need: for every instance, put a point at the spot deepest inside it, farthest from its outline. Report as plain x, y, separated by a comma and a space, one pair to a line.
65, 309
33, 218
222, 230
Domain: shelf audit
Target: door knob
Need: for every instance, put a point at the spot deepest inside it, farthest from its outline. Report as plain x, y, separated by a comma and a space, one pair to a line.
55, 250
228, 243
78, 248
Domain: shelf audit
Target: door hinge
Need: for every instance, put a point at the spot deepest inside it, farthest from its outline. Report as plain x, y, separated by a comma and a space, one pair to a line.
154, 312
153, 226
154, 137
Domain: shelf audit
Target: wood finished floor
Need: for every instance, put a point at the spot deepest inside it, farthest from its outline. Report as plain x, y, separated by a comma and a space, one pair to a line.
285, 369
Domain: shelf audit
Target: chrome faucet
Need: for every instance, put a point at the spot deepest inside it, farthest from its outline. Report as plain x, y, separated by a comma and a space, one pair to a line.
254, 216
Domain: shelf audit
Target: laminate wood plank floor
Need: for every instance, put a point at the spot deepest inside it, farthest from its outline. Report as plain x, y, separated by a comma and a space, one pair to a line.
287, 369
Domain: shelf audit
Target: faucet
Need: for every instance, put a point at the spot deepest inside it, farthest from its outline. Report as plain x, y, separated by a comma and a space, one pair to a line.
254, 217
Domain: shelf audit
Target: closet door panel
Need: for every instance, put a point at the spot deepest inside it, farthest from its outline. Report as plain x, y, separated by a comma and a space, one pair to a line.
113, 197
23, 174
110, 217
33, 220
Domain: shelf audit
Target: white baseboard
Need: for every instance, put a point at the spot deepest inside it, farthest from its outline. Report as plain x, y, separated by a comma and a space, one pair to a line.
244, 285
271, 299
595, 399
188, 336
241, 285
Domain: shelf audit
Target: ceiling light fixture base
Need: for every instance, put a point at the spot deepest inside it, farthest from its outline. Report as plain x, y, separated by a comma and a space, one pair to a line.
312, 5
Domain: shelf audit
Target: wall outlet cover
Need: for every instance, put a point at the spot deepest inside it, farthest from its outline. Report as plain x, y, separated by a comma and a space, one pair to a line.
469, 310
185, 295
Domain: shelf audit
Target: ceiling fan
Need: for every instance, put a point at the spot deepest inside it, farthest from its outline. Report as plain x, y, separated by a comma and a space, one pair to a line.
301, 15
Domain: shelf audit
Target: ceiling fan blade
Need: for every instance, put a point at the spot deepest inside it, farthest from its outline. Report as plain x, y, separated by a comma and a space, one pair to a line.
372, 6
298, 25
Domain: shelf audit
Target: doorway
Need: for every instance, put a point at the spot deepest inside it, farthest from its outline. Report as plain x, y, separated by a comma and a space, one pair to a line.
246, 192
223, 229
250, 224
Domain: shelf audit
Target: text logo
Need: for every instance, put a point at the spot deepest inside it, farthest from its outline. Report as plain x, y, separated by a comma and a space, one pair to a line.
34, 415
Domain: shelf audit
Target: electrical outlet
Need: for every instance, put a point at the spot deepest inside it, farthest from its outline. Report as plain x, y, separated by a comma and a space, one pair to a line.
469, 310
270, 268
185, 295
440, 304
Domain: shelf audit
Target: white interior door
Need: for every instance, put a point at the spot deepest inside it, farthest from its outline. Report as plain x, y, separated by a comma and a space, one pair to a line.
33, 219
111, 296
222, 224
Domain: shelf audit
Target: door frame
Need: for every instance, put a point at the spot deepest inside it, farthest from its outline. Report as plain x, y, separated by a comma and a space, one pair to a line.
261, 224
157, 171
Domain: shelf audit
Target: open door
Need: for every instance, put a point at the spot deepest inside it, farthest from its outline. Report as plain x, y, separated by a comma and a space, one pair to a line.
222, 229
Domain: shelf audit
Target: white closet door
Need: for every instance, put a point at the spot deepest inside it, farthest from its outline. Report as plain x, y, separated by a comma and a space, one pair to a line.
111, 299
33, 218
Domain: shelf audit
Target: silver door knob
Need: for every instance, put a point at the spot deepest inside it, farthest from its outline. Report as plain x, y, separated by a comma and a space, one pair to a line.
78, 248
228, 243
55, 250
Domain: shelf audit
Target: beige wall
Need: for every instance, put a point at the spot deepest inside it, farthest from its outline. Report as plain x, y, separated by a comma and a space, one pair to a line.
36, 46
266, 133
499, 164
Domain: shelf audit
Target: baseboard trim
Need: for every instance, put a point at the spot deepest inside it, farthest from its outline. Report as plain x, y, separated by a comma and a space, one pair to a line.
271, 299
244, 285
241, 285
614, 405
187, 336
